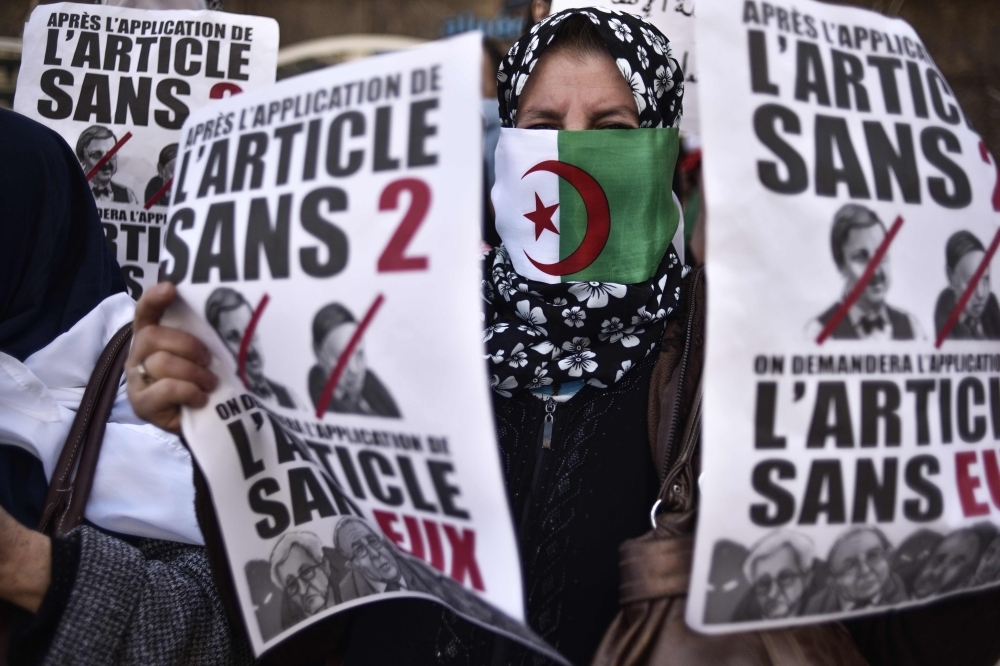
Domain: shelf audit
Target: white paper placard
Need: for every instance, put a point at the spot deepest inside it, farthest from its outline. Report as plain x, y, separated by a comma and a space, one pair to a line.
98, 74
324, 237
849, 445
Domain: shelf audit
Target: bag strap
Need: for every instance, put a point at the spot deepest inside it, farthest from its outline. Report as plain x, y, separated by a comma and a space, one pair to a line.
676, 406
677, 491
73, 477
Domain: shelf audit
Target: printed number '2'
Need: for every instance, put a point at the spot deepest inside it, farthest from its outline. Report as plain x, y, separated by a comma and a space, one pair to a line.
393, 257
220, 89
984, 152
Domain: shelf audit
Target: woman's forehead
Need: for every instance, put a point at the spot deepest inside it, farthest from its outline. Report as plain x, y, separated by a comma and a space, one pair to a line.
563, 77
641, 53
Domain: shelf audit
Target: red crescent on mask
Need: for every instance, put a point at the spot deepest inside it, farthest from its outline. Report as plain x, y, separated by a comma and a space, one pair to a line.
598, 218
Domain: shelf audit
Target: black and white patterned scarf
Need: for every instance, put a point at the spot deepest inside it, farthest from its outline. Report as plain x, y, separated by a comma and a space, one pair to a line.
643, 55
540, 334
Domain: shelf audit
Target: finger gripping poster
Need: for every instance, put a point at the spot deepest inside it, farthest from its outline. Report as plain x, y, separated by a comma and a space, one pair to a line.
324, 237
117, 84
852, 381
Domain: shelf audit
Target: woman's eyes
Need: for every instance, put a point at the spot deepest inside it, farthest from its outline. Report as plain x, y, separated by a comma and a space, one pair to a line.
550, 126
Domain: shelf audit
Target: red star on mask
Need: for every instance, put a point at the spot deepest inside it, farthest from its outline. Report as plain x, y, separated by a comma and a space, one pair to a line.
542, 217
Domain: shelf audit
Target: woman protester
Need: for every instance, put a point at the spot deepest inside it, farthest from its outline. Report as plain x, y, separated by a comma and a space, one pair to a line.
595, 382
132, 584
572, 417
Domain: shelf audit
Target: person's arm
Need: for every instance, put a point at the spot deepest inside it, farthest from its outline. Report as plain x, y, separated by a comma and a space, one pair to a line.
95, 599
153, 602
25, 564
175, 363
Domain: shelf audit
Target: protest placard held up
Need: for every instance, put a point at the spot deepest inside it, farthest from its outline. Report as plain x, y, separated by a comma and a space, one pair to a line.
320, 238
850, 429
117, 84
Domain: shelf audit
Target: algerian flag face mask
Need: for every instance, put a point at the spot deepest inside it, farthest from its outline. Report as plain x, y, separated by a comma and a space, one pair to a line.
591, 205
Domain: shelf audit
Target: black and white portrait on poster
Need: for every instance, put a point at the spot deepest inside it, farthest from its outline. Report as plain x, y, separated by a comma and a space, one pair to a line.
95, 150
164, 175
782, 577
851, 431
359, 391
980, 319
230, 315
302, 580
856, 235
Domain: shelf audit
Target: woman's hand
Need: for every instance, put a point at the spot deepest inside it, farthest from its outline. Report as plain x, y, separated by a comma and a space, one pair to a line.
25, 564
166, 368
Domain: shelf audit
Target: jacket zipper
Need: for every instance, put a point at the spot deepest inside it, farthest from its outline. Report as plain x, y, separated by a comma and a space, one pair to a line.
545, 447
675, 417
500, 644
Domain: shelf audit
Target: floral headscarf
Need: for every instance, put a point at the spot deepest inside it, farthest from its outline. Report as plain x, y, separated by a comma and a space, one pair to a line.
643, 55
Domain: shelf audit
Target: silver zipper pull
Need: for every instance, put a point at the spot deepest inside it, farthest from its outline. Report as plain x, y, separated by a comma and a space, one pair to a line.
550, 407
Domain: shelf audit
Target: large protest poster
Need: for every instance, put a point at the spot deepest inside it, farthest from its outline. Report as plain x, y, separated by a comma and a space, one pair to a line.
117, 84
324, 237
675, 19
852, 379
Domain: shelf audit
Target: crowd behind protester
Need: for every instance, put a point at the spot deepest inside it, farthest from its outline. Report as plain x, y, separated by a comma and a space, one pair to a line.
133, 585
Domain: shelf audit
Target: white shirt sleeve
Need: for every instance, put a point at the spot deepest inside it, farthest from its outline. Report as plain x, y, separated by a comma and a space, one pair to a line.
144, 480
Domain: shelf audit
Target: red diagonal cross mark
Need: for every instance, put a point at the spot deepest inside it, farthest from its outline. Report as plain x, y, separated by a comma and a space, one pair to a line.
108, 155
345, 356
967, 294
241, 359
860, 285
159, 194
